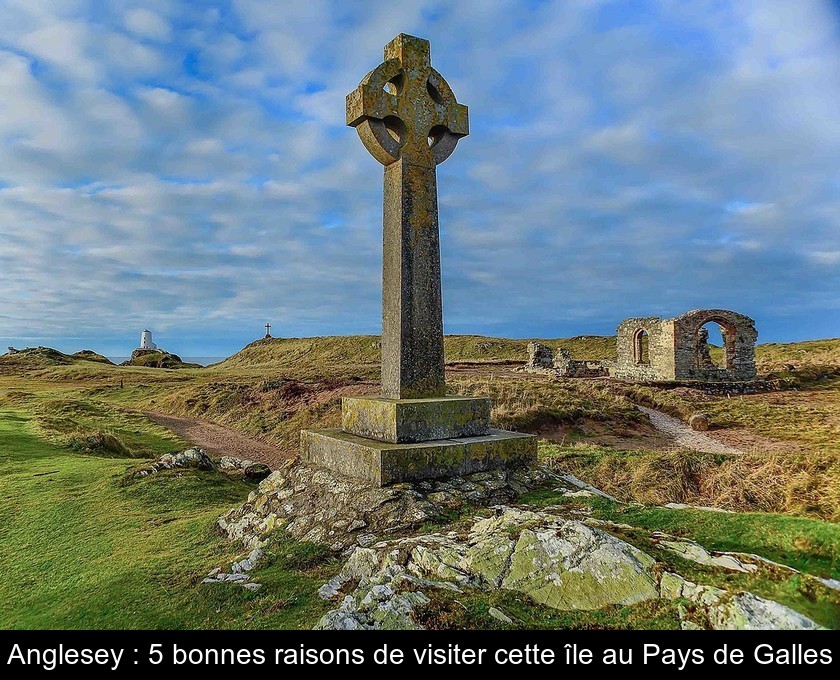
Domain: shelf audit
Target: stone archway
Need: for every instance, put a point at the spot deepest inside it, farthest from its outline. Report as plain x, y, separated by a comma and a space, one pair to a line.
728, 334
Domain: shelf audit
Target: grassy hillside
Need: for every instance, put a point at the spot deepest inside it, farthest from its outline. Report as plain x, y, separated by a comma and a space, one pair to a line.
825, 352
274, 388
82, 550
42, 357
362, 351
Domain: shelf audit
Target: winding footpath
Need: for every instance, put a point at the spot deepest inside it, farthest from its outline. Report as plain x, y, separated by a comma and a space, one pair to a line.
218, 440
683, 435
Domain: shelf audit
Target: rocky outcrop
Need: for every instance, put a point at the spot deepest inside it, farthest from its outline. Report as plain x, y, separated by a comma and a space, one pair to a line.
717, 609
242, 467
157, 358
239, 573
559, 557
557, 561
694, 552
313, 504
191, 458
198, 459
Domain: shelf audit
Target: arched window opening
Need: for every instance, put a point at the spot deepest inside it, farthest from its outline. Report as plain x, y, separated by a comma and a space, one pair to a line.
715, 345
641, 347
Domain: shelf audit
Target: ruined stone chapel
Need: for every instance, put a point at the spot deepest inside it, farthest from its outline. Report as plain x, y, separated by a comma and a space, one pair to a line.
656, 349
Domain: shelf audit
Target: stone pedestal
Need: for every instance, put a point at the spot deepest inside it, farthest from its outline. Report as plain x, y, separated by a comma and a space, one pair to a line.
401, 421
386, 441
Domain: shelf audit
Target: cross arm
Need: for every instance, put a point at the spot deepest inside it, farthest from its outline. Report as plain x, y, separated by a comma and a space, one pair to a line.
450, 113
369, 99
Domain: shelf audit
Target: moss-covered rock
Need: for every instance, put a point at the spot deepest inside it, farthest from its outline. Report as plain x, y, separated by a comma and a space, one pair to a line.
717, 609
557, 561
157, 358
573, 566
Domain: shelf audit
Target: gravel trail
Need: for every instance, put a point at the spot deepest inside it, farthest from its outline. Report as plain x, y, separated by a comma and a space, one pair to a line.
218, 440
683, 435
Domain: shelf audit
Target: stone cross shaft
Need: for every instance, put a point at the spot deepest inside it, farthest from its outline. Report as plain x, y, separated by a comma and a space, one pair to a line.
408, 119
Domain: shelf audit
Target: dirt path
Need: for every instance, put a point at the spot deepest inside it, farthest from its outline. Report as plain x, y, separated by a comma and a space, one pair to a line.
218, 440
683, 435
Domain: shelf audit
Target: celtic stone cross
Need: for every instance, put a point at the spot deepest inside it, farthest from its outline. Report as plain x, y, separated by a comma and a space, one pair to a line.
408, 119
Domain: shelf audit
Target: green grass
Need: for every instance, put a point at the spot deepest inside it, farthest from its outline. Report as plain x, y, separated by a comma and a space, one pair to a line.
450, 611
83, 548
811, 546
80, 550
775, 355
83, 424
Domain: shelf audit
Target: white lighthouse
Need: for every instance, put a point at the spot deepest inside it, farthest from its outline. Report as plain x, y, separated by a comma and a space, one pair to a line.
146, 340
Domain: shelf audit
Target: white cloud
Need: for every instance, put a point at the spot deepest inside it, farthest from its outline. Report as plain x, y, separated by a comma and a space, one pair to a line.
826, 257
147, 24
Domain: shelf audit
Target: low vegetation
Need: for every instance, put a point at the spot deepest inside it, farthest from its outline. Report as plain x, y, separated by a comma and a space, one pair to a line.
794, 483
80, 550
86, 551
527, 403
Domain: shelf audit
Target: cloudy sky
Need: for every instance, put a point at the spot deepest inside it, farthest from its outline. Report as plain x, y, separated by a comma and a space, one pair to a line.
184, 166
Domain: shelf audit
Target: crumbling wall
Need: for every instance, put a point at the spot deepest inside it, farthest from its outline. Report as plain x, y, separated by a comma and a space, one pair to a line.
542, 359
658, 364
539, 356
691, 355
678, 349
566, 367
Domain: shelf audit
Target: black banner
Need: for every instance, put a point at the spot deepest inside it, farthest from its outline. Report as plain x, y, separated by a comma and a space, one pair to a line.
115, 652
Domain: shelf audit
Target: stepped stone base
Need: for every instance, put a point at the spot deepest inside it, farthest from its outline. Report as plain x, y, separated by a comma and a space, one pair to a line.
415, 420
384, 463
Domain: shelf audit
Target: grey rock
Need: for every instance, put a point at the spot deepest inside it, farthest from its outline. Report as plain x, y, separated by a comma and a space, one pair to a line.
243, 467
557, 561
499, 615
695, 552
721, 610
318, 505
191, 458
683, 506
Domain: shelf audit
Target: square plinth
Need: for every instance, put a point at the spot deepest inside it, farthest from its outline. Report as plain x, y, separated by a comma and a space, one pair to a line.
384, 463
415, 420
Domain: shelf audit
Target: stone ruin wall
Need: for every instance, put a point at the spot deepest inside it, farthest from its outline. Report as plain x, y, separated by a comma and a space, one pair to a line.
739, 335
542, 359
677, 349
567, 367
660, 365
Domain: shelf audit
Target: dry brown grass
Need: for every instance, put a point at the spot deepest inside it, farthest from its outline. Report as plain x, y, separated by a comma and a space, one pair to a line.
800, 484
518, 403
806, 484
